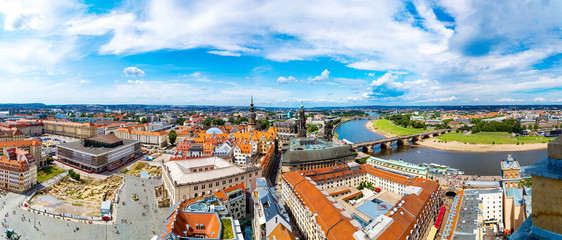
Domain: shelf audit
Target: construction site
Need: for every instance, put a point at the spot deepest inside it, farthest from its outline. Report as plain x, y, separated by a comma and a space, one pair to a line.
80, 198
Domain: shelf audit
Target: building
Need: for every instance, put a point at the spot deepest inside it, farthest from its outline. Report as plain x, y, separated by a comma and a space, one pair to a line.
243, 146
186, 179
252, 117
234, 199
201, 218
32, 146
513, 208
18, 170
10, 134
320, 203
70, 129
268, 162
510, 172
546, 178
302, 122
311, 153
328, 130
271, 221
147, 134
398, 166
99, 153
29, 128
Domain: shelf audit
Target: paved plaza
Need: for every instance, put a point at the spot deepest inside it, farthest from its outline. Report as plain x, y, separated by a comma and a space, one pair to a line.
137, 226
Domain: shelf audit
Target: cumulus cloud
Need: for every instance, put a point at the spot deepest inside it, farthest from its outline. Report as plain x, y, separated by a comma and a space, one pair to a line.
324, 76
133, 72
83, 81
539, 99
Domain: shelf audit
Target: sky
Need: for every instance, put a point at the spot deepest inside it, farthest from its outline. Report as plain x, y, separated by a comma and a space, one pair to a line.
321, 52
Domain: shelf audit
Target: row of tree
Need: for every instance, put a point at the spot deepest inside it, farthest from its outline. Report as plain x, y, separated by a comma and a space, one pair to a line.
404, 121
506, 125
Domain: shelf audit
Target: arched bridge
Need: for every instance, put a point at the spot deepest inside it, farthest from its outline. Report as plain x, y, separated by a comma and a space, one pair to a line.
400, 140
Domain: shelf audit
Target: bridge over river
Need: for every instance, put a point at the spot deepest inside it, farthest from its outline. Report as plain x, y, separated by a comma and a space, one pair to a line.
400, 140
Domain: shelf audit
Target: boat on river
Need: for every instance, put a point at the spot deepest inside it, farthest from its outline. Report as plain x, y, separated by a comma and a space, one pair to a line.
440, 169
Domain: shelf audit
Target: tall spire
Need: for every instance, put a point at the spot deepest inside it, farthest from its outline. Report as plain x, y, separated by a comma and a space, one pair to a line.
252, 104
302, 104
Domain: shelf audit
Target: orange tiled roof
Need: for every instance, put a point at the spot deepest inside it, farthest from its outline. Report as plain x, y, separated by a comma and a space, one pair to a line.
330, 219
282, 233
32, 142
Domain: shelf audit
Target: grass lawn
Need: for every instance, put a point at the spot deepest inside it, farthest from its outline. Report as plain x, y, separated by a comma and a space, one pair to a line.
492, 138
385, 126
48, 172
227, 230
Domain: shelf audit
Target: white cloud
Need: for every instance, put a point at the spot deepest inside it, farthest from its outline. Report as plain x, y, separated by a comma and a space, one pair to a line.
83, 81
133, 72
558, 100
539, 99
225, 53
508, 100
286, 80
135, 82
324, 76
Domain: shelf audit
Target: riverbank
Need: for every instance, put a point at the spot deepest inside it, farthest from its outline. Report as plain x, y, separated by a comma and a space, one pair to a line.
370, 125
462, 147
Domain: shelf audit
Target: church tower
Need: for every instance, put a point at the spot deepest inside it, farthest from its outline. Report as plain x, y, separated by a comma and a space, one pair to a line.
252, 117
302, 122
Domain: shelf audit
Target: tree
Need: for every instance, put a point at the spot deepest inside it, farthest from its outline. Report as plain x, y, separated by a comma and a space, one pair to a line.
312, 128
74, 175
83, 115
536, 126
172, 136
240, 120
218, 122
264, 124
231, 120
207, 122
180, 121
143, 120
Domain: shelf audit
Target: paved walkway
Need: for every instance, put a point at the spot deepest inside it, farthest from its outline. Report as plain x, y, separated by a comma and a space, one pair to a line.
137, 226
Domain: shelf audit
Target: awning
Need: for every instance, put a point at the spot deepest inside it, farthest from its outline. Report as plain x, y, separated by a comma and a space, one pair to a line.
440, 217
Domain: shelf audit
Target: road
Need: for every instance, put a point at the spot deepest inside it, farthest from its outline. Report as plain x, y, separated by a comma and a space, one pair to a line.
138, 226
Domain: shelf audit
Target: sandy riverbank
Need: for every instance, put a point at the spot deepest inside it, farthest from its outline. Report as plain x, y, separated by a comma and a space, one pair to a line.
369, 125
461, 147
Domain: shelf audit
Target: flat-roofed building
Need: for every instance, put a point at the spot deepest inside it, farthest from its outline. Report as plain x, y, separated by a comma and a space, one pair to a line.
311, 153
186, 179
99, 153
70, 129
18, 170
32, 146
398, 166
146, 133
471, 210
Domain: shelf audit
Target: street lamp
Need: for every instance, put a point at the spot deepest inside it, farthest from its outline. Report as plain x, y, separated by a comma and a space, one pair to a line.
34, 219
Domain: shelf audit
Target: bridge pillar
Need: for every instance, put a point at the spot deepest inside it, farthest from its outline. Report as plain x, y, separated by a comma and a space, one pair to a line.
402, 142
386, 145
416, 138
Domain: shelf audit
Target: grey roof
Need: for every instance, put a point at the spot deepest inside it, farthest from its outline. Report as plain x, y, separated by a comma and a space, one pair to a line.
319, 151
96, 151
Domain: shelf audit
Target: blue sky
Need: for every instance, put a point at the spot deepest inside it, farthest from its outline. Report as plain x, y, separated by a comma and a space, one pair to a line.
326, 53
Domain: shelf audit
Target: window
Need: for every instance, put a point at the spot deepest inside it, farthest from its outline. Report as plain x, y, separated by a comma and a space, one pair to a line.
230, 180
203, 186
210, 185
195, 188
216, 184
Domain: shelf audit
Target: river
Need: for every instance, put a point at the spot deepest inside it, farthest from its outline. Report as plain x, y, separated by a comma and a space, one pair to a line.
482, 164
